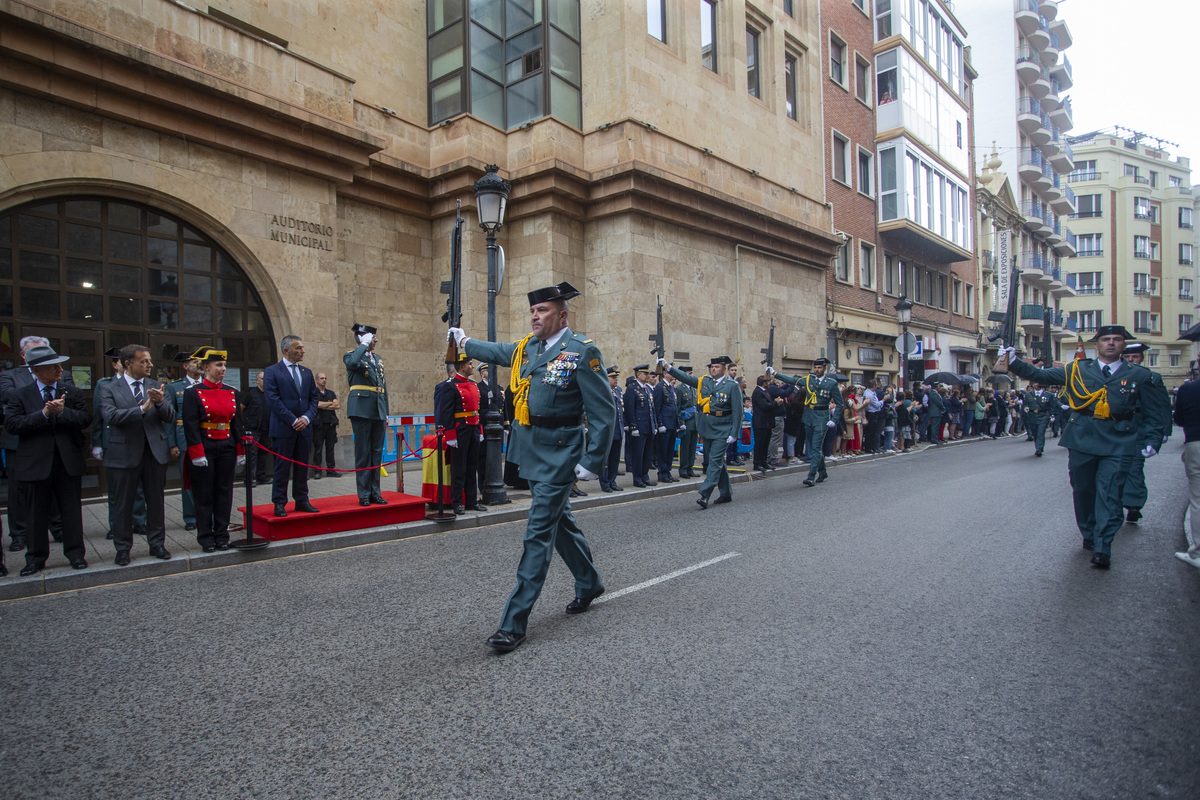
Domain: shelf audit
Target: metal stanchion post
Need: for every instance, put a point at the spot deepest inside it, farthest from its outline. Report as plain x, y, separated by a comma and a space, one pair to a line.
441, 515
251, 542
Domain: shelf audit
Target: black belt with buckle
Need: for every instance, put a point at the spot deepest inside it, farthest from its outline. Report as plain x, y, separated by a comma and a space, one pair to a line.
554, 422
720, 413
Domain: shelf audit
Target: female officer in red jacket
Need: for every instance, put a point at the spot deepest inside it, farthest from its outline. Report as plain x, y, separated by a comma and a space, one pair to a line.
212, 428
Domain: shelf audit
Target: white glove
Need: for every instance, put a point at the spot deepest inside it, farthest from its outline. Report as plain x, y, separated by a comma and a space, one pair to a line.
583, 474
1066, 407
627, 429
452, 444
1011, 352
241, 460
635, 432
771, 371
662, 362
662, 428
1148, 451
366, 339
481, 437
97, 453
831, 424
730, 440
458, 335
202, 461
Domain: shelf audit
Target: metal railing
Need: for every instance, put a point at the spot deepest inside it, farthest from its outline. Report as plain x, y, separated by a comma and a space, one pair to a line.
1029, 105
1028, 5
987, 260
1099, 251
1027, 55
1070, 324
1069, 194
1141, 179
1068, 152
1071, 239
1030, 262
1071, 279
1080, 175
1064, 64
1031, 155
1031, 311
1032, 208
1089, 290
1185, 295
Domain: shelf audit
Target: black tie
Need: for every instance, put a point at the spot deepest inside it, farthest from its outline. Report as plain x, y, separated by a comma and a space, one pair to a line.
541, 347
1107, 372
47, 393
137, 393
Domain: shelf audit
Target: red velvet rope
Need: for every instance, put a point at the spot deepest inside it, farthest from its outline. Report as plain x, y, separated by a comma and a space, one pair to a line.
403, 439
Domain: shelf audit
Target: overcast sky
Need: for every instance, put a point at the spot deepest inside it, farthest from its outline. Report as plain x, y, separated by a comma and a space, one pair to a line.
1135, 63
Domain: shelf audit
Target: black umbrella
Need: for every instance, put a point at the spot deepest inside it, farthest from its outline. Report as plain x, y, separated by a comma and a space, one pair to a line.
970, 377
941, 377
998, 377
840, 378
1192, 334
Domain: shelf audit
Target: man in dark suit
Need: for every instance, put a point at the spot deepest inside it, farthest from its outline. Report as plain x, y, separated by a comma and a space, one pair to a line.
290, 390
762, 421
489, 393
136, 410
256, 420
100, 441
19, 512
48, 419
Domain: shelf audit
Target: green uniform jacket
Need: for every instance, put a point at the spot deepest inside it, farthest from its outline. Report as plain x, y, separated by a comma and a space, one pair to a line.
99, 429
937, 406
1139, 408
174, 394
363, 370
724, 417
821, 392
685, 397
1038, 406
568, 380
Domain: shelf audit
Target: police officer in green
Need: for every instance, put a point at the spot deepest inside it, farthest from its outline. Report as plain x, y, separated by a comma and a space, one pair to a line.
1039, 405
100, 442
1117, 412
367, 408
719, 422
685, 398
1134, 497
175, 437
557, 377
822, 407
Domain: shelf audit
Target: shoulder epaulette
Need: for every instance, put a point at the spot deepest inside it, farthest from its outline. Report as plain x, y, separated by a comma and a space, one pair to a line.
587, 341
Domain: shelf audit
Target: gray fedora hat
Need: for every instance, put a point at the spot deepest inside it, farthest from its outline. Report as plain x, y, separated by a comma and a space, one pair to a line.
43, 355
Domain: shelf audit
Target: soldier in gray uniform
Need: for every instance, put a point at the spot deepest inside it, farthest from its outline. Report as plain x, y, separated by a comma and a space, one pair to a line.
719, 423
558, 377
822, 408
367, 408
175, 437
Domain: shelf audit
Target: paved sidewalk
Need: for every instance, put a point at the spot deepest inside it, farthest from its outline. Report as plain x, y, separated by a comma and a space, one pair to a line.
186, 554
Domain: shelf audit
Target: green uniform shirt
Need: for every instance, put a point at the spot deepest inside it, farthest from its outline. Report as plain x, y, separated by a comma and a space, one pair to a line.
724, 416
685, 397
1038, 404
365, 369
818, 393
174, 395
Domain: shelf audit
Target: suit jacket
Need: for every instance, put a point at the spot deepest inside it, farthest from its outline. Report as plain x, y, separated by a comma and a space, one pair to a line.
763, 407
37, 436
287, 404
10, 381
666, 410
567, 380
130, 429
364, 368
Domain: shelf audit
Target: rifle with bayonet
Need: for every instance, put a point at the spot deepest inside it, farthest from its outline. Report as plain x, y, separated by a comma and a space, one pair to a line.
660, 349
769, 350
453, 287
1008, 331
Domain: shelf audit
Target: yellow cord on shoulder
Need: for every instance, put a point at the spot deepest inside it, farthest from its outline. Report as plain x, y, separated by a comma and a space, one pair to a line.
703, 403
811, 400
1078, 390
519, 385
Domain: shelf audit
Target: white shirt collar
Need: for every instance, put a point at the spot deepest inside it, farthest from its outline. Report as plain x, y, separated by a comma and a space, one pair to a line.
553, 340
130, 380
42, 386
288, 364
1112, 367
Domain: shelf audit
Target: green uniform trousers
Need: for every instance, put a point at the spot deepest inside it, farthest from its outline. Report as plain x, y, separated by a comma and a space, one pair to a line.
717, 475
1135, 493
368, 452
1036, 426
551, 526
687, 450
1096, 483
814, 441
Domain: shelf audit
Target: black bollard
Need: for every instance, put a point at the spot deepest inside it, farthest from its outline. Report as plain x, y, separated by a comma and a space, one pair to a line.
441, 515
251, 542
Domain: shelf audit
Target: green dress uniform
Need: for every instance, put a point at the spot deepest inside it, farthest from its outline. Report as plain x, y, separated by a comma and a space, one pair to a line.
685, 397
714, 425
565, 381
1103, 441
100, 439
1135, 493
367, 408
817, 393
1038, 407
176, 438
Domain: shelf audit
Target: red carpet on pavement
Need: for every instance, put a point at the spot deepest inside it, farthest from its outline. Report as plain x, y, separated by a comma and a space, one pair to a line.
337, 514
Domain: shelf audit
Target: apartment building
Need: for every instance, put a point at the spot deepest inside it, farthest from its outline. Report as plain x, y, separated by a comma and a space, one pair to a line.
1023, 111
1136, 259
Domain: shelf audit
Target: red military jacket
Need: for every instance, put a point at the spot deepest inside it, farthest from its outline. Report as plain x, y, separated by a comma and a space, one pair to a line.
456, 406
210, 415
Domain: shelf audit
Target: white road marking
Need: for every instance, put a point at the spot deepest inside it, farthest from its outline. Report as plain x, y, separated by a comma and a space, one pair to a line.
663, 578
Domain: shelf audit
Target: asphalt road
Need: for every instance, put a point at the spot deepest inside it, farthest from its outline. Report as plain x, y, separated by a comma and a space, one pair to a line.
924, 626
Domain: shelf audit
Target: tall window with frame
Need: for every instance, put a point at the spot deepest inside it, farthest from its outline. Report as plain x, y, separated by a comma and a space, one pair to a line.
753, 72
955, 296
708, 34
888, 192
883, 19
1088, 205
969, 301
656, 19
837, 60
866, 173
843, 262
789, 86
866, 265
841, 158
862, 79
889, 273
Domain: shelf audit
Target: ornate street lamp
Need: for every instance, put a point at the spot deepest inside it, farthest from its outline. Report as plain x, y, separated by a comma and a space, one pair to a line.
491, 201
904, 316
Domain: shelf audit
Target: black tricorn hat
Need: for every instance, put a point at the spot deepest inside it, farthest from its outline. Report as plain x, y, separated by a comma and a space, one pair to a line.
359, 330
181, 357
206, 354
560, 291
1136, 347
822, 362
1112, 330
688, 370
113, 353
720, 360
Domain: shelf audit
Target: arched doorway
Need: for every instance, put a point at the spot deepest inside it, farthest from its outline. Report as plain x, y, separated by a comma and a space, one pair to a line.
90, 273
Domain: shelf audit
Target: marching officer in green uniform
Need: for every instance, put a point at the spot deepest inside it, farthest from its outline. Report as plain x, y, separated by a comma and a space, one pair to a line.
1117, 412
1039, 404
719, 422
175, 435
367, 408
557, 377
821, 395
1134, 497
685, 397
100, 443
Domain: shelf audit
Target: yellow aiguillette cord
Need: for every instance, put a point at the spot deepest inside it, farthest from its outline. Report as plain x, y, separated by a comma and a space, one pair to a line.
519, 385
1086, 398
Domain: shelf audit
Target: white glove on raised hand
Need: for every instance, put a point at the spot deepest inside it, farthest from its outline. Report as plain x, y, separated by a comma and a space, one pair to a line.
662, 362
662, 428
202, 461
1010, 351
366, 339
583, 474
730, 439
97, 453
831, 424
1148, 451
635, 432
241, 460
771, 371
458, 335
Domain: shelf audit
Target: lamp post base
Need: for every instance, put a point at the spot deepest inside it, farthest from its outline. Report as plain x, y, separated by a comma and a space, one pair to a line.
494, 493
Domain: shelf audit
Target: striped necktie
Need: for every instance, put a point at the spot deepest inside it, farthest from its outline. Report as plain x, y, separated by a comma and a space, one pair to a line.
138, 397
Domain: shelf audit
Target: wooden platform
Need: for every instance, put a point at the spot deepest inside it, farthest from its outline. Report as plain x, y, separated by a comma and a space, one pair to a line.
336, 514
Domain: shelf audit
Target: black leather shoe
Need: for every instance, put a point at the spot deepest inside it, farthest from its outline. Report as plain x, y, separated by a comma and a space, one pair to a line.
724, 499
1134, 515
702, 502
606, 488
809, 482
459, 509
222, 545
122, 559
3, 570
364, 502
191, 526
306, 507
140, 530
1100, 561
378, 500
824, 476
505, 641
209, 548
582, 604
79, 563
17, 544
652, 483
1038, 454
616, 488
637, 484
108, 536
280, 511
1088, 544
31, 569
477, 507
160, 552
316, 476
56, 535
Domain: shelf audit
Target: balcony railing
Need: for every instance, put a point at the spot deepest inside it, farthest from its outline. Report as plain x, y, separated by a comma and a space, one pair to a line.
1141, 179
1028, 5
1029, 105
1184, 261
1031, 155
1027, 55
1143, 329
1089, 290
1032, 208
1071, 279
1069, 324
1069, 194
1030, 311
1141, 253
988, 260
1185, 295
1099, 251
1086, 214
1071, 240
1070, 154
1080, 175
1141, 291
1065, 63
